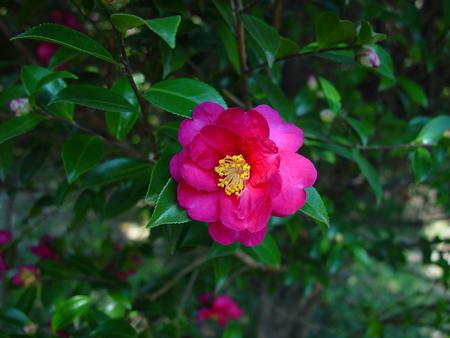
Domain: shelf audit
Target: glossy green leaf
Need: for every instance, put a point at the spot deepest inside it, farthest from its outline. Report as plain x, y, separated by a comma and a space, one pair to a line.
117, 328
69, 310
276, 97
54, 76
287, 47
224, 8
120, 123
370, 174
166, 209
31, 75
414, 91
386, 66
331, 94
268, 252
6, 159
366, 35
180, 96
115, 170
265, 35
158, 179
17, 126
432, 132
330, 30
314, 206
360, 129
81, 153
61, 56
166, 28
67, 37
422, 163
172, 59
94, 97
126, 196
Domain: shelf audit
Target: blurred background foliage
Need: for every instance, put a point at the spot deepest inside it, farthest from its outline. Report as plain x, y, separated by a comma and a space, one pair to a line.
367, 257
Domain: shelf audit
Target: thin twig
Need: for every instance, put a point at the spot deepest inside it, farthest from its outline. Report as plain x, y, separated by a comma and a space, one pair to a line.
232, 98
240, 38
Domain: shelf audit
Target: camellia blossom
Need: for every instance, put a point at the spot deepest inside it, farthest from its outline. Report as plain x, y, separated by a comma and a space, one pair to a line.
220, 308
44, 249
5, 237
26, 276
237, 168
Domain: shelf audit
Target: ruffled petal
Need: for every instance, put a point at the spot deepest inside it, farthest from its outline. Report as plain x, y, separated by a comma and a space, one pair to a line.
199, 178
248, 211
199, 205
251, 238
286, 136
245, 124
297, 173
175, 164
226, 236
262, 155
203, 114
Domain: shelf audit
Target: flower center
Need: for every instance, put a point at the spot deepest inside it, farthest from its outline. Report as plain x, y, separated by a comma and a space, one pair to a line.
233, 172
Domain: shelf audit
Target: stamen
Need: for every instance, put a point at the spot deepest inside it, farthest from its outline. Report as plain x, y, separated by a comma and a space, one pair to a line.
233, 172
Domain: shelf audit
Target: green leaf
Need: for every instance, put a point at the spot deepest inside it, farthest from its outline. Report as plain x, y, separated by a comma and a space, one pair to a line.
160, 175
422, 163
218, 250
360, 129
287, 47
314, 206
330, 30
33, 161
222, 267
414, 91
11, 93
54, 76
17, 126
93, 97
366, 35
31, 75
265, 35
6, 159
81, 153
370, 174
67, 37
233, 330
268, 252
166, 28
61, 56
166, 209
180, 96
115, 170
117, 328
120, 123
229, 42
14, 317
66, 312
276, 97
172, 59
386, 66
433, 131
224, 8
331, 94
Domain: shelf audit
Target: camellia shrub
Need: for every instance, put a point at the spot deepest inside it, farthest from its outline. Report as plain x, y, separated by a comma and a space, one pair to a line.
224, 169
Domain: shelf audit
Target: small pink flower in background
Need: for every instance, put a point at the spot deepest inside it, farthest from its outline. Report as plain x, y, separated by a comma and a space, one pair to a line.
219, 308
5, 237
368, 57
44, 249
26, 276
45, 50
20, 106
237, 168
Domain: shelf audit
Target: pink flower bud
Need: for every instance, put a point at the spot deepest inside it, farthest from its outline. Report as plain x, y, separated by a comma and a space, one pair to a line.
327, 115
20, 106
5, 237
368, 57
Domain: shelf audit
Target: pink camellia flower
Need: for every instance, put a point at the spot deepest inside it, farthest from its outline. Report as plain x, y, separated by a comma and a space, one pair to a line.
5, 237
221, 309
368, 57
44, 249
26, 276
45, 50
237, 168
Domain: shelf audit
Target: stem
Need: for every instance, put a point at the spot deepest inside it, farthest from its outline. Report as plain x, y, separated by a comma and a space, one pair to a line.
240, 37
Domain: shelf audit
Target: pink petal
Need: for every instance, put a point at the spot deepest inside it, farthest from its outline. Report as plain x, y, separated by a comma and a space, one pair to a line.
245, 124
287, 136
203, 114
199, 178
297, 173
175, 164
248, 211
199, 205
262, 155
226, 236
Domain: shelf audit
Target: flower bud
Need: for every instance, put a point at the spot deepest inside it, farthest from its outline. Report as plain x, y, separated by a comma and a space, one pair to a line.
327, 115
368, 57
20, 106
30, 329
312, 83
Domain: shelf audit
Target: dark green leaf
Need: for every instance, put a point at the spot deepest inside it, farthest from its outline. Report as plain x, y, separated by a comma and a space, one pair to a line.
287, 47
233, 330
314, 206
61, 56
360, 129
14, 317
224, 8
167, 210
422, 162
222, 267
81, 153
115, 170
229, 42
218, 250
366, 35
31, 75
94, 97
6, 159
331, 94
414, 91
33, 161
180, 96
117, 328
370, 174
432, 132
265, 35
276, 97
268, 252
330, 30
160, 175
386, 66
54, 76
70, 310
166, 28
17, 126
67, 37
172, 59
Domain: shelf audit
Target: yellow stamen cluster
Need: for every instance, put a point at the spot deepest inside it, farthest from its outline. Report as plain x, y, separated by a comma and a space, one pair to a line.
233, 172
